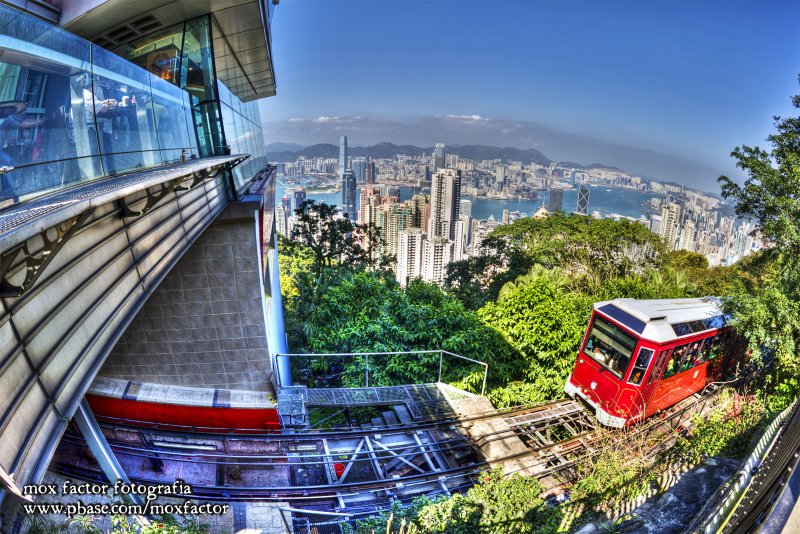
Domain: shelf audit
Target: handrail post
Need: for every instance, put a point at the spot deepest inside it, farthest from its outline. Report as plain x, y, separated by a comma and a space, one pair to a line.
485, 375
366, 370
441, 355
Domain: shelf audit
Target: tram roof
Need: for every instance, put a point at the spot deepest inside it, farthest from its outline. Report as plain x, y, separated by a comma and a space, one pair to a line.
664, 320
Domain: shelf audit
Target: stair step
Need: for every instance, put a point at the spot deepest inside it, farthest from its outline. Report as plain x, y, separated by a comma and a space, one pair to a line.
403, 414
390, 418
377, 421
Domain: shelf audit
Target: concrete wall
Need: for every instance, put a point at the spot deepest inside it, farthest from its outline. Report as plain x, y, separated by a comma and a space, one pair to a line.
204, 325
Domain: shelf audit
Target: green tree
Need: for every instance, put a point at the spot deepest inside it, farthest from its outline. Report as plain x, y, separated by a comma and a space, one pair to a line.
540, 317
336, 239
497, 504
769, 316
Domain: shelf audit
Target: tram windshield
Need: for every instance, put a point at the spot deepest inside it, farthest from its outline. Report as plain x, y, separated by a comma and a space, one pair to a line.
610, 346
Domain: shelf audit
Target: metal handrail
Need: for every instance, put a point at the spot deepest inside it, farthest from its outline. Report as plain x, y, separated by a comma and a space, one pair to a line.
366, 356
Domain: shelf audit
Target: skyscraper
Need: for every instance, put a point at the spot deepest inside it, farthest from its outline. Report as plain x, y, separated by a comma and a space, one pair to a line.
342, 158
437, 253
686, 240
445, 203
370, 172
555, 200
394, 218
299, 196
655, 224
349, 195
409, 255
465, 208
369, 204
438, 157
670, 217
583, 200
359, 166
282, 220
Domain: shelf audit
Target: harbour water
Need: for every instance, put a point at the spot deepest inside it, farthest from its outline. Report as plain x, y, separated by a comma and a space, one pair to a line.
607, 201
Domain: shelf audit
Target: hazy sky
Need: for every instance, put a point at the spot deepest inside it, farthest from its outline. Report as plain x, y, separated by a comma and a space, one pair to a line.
659, 88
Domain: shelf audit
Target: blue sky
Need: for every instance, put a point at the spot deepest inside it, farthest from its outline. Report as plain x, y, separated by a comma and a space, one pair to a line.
660, 88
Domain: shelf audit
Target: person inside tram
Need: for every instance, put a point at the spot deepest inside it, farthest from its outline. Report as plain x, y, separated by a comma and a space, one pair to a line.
599, 355
695, 355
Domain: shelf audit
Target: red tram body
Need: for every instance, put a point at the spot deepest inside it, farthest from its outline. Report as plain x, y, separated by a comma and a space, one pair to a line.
641, 356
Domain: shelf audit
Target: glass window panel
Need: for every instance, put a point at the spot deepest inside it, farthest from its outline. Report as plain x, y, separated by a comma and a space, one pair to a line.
197, 73
42, 72
170, 119
124, 115
640, 365
159, 53
610, 346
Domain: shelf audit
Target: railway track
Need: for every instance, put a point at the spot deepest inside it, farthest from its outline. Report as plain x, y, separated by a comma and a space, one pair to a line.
389, 461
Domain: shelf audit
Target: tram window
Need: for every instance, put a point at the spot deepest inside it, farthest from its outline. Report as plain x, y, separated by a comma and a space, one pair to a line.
640, 365
659, 366
698, 326
695, 354
675, 364
610, 346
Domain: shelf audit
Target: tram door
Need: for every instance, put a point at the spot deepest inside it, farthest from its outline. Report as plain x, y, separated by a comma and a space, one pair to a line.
656, 372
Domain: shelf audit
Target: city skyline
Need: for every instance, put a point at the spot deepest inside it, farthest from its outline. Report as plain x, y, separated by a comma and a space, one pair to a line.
660, 89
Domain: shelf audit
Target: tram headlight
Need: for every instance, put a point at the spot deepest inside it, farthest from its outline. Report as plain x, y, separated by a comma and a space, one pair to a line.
593, 385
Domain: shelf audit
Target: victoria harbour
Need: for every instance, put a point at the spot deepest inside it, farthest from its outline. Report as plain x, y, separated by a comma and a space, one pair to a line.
607, 201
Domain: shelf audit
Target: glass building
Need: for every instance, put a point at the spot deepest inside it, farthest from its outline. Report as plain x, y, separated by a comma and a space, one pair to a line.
144, 90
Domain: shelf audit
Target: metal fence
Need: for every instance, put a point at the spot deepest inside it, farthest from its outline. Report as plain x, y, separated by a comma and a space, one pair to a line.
376, 369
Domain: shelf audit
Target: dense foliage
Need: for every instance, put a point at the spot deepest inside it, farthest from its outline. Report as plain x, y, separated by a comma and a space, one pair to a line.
538, 280
769, 313
496, 504
727, 430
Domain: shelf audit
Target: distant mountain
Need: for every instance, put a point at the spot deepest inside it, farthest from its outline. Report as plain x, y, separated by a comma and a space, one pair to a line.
283, 147
389, 150
604, 166
481, 152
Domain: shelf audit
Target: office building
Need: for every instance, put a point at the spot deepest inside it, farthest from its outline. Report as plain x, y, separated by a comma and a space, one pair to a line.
393, 219
438, 157
422, 210
342, 158
370, 172
349, 188
555, 200
299, 196
445, 203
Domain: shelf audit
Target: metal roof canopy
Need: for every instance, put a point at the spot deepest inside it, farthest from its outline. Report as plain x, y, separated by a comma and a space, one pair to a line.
241, 26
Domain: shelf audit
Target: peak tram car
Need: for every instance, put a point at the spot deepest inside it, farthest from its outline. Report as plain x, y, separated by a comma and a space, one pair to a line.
641, 356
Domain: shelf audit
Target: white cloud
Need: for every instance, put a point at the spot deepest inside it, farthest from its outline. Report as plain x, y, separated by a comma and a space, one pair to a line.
296, 119
465, 118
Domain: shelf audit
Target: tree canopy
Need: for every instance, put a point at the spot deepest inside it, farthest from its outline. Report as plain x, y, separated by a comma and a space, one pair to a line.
769, 313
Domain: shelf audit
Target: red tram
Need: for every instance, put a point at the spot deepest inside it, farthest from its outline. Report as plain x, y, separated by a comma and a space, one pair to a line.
642, 356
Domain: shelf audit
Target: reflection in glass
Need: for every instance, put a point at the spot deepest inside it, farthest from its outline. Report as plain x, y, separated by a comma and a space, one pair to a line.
39, 101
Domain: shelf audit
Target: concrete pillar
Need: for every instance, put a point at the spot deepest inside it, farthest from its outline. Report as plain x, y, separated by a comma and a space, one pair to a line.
275, 326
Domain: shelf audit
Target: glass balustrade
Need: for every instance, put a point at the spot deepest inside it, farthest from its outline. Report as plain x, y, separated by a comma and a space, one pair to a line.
71, 112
